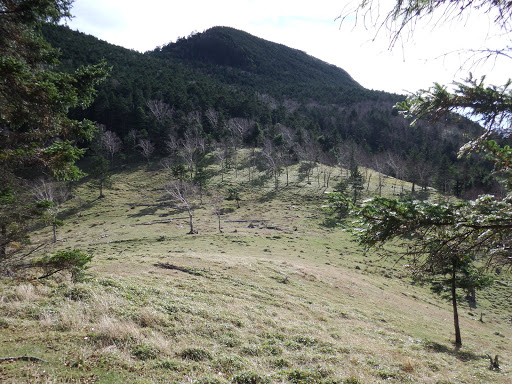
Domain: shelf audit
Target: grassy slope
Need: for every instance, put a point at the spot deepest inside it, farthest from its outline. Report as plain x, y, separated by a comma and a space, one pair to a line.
287, 301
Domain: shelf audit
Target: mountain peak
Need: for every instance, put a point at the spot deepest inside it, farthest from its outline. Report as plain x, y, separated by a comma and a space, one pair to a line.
232, 49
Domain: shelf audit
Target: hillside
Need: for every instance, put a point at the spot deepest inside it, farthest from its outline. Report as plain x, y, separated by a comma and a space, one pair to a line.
232, 75
277, 297
236, 57
190, 234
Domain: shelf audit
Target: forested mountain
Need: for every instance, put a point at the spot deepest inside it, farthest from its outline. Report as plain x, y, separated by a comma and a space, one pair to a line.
238, 58
225, 85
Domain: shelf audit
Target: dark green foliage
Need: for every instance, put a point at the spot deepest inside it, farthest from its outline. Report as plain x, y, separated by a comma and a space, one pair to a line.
220, 48
467, 276
341, 187
77, 293
352, 381
101, 173
37, 136
449, 243
74, 261
280, 363
356, 183
234, 195
144, 352
179, 171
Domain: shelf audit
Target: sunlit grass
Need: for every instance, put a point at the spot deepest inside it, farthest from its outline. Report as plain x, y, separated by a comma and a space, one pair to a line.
277, 297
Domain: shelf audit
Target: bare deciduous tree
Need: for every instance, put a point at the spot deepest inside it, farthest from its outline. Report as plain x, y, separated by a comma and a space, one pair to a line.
213, 118
53, 194
379, 165
308, 155
147, 148
216, 201
191, 148
172, 144
288, 143
397, 164
161, 111
111, 144
184, 193
222, 154
272, 161
238, 128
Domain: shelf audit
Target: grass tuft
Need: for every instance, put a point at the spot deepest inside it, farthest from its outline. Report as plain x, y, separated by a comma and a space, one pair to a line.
250, 378
195, 354
144, 351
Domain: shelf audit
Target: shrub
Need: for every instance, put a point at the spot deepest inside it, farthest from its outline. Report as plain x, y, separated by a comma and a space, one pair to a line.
144, 352
230, 364
77, 294
351, 380
304, 340
210, 380
74, 261
195, 354
279, 363
251, 350
249, 378
298, 376
167, 364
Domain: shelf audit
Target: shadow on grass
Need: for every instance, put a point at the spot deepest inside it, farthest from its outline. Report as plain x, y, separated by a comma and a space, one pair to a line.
269, 196
331, 222
70, 212
464, 356
190, 270
260, 181
148, 211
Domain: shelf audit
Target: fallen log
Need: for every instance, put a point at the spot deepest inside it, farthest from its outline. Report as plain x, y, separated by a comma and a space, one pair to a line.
162, 221
23, 358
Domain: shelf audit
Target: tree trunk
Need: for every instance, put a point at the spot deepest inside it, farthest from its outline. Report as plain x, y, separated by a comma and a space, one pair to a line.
236, 163
458, 339
471, 297
3, 243
54, 233
190, 222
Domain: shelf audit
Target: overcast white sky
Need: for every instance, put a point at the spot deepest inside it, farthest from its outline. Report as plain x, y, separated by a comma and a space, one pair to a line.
310, 26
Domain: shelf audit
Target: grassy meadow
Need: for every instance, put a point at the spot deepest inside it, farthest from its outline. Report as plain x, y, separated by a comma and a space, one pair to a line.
277, 297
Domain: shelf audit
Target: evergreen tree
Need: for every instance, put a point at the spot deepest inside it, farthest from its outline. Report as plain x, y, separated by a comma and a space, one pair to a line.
101, 174
440, 237
356, 182
36, 135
